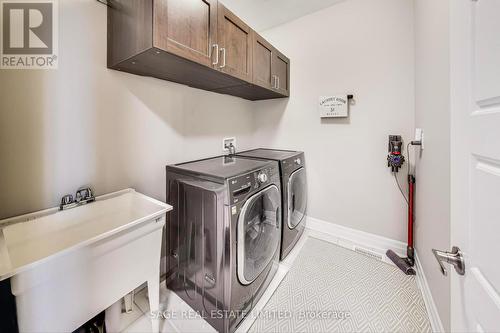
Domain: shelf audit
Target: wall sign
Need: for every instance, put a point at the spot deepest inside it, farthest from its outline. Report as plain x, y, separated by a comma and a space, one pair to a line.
334, 106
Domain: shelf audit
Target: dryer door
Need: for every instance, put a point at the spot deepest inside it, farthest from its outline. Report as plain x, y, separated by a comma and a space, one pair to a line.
297, 197
259, 233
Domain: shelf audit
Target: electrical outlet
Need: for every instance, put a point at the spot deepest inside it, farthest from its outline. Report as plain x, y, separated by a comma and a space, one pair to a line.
419, 136
226, 142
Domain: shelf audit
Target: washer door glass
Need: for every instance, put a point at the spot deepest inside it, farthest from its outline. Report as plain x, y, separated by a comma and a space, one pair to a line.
259, 233
297, 197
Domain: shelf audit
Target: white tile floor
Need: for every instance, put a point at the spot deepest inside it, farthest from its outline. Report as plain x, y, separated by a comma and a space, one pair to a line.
351, 292
138, 321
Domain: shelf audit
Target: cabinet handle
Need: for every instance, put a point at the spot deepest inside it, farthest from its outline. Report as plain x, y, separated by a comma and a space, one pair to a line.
274, 81
216, 46
278, 82
223, 49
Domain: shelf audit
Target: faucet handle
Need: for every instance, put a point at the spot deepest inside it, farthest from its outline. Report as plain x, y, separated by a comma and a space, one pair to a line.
80, 194
84, 194
67, 199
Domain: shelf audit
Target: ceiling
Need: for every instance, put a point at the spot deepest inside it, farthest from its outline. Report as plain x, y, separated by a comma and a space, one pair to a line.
265, 14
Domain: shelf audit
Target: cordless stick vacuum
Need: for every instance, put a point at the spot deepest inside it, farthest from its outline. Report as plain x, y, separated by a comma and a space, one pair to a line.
395, 161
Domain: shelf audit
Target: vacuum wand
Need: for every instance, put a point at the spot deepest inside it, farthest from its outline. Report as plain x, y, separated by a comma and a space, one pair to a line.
410, 251
405, 264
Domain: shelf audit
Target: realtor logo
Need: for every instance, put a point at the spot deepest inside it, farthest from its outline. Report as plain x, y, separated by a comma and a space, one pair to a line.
29, 34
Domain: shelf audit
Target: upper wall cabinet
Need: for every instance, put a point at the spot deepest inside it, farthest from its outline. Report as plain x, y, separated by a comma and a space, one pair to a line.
281, 73
271, 69
195, 42
262, 62
187, 29
235, 42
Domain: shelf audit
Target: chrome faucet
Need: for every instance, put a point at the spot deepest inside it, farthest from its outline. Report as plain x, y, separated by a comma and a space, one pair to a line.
83, 196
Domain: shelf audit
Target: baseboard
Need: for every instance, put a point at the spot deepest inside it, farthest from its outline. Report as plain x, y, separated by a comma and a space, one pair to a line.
434, 318
375, 245
353, 239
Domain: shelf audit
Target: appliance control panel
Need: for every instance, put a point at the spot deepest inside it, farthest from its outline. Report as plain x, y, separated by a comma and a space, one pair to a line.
293, 163
242, 186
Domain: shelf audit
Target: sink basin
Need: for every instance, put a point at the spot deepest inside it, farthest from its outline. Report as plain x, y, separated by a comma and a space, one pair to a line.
89, 256
34, 238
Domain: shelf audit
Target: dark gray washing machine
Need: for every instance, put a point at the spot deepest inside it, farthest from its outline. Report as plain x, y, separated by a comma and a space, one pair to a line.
223, 235
294, 195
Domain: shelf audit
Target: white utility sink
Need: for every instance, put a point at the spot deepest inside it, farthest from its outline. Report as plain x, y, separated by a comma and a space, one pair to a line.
67, 266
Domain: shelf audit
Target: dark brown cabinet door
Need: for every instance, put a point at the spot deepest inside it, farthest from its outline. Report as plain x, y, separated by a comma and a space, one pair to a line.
195, 42
281, 73
262, 62
186, 28
235, 43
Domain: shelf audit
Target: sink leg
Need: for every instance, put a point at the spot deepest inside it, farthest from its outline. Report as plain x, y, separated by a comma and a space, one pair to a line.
154, 301
128, 300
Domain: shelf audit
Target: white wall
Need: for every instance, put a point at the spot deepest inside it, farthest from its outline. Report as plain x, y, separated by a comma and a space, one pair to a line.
361, 46
433, 169
85, 124
265, 14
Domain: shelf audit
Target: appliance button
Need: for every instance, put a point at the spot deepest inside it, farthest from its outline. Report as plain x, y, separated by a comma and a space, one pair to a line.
262, 177
298, 161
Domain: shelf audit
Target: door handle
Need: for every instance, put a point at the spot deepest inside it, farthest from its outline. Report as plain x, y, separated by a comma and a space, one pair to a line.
454, 258
216, 47
223, 50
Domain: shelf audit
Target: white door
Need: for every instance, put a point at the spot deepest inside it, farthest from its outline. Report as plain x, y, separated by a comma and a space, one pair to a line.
475, 163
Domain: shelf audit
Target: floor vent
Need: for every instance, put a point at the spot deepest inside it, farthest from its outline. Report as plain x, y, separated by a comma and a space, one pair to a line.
368, 253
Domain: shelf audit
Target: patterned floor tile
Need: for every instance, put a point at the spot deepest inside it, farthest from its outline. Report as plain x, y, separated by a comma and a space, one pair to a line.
333, 289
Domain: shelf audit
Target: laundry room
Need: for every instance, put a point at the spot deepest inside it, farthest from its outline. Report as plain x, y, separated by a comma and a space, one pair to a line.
249, 165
